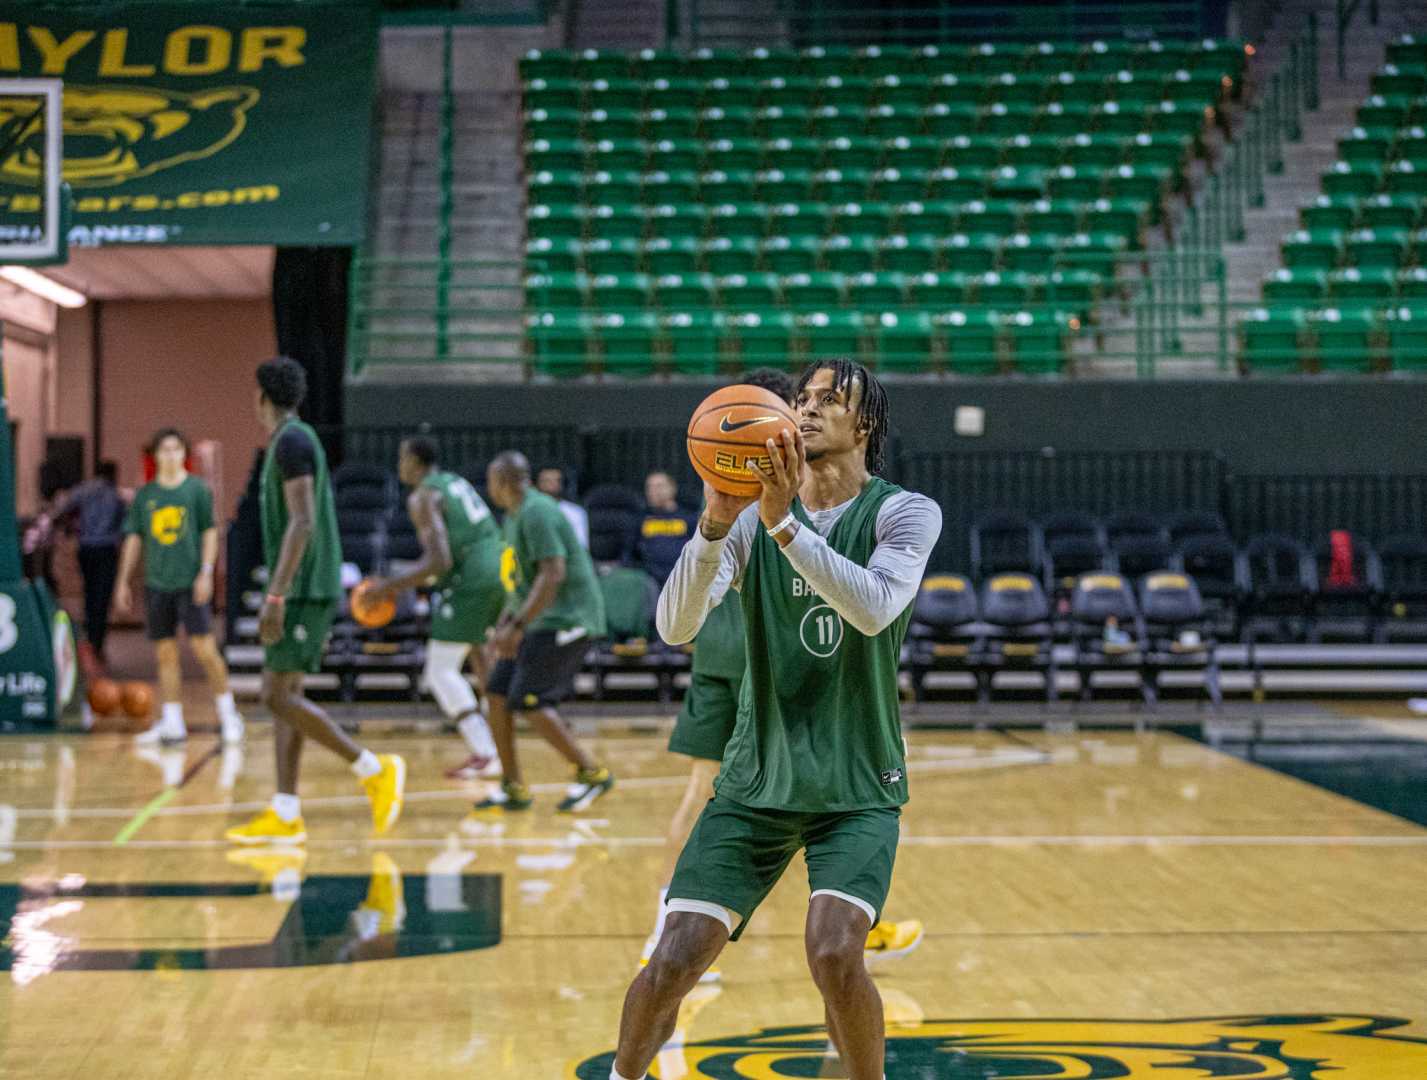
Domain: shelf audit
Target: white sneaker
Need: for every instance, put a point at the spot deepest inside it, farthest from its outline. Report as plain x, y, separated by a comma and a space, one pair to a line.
233, 730
162, 735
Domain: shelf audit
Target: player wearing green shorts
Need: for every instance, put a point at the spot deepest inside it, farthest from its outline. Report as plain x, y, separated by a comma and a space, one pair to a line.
706, 723
303, 553
826, 563
461, 554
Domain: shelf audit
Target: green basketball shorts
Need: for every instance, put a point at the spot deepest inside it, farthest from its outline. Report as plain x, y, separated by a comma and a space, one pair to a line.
305, 626
737, 853
463, 615
706, 721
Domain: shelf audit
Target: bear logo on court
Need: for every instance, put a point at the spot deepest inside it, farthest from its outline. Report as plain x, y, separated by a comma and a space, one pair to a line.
166, 525
1347, 1047
113, 134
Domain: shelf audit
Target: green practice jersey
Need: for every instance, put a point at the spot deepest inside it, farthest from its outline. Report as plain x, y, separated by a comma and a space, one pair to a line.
171, 522
319, 575
469, 524
539, 530
719, 649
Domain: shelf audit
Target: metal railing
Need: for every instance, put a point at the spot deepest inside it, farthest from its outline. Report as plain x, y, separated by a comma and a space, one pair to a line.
1346, 10
826, 22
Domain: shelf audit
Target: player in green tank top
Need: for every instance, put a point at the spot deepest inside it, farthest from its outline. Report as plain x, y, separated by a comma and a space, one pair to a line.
461, 554
303, 554
826, 562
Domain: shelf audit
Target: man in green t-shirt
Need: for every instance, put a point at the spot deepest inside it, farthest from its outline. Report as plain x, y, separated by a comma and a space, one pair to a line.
171, 522
461, 549
303, 554
554, 614
826, 563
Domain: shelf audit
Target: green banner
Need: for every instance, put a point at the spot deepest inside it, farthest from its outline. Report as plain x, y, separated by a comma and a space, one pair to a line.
188, 123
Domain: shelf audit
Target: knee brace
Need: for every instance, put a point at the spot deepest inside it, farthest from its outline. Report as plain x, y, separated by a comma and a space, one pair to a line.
443, 675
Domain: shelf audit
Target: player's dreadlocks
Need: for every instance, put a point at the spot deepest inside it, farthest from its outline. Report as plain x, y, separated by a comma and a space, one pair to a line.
871, 402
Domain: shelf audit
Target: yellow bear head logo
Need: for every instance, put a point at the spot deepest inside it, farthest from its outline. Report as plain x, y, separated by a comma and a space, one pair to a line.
166, 525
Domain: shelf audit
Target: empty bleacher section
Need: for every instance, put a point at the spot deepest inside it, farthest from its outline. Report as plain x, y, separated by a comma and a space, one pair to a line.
1351, 295
958, 208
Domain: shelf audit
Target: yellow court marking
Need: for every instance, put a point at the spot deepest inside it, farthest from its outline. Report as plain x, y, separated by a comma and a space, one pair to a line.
157, 803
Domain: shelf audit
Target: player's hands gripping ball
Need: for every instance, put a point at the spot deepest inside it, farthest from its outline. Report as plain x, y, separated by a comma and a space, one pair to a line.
781, 482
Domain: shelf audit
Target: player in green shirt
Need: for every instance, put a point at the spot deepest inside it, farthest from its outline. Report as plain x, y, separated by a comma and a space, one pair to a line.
171, 522
826, 562
303, 552
555, 613
461, 555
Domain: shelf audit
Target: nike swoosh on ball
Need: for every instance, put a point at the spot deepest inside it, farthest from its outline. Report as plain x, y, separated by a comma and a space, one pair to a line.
725, 426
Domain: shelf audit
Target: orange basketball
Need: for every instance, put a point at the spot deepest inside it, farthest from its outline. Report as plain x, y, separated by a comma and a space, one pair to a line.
104, 697
370, 613
728, 432
138, 700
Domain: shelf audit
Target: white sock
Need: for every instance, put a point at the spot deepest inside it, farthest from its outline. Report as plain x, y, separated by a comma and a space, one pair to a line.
477, 733
614, 1075
227, 710
172, 717
287, 807
662, 914
366, 765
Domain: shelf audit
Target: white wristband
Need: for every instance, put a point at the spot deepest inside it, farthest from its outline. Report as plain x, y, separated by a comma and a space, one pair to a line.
789, 520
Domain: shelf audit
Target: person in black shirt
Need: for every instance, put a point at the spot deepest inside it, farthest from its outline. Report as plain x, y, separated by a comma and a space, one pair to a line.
665, 528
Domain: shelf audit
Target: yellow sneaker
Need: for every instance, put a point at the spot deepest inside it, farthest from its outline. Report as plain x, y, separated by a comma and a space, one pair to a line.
891, 940
385, 791
268, 828
386, 899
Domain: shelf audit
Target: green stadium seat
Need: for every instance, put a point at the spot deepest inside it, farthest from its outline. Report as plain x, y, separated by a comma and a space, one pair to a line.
1064, 118
559, 342
1346, 338
674, 156
1177, 118
850, 151
800, 219
830, 333
728, 186
1009, 88
895, 186
1031, 253
823, 288
1126, 217
1113, 118
909, 254
1412, 146
1018, 185
558, 222
611, 256
547, 64
957, 183
1400, 79
626, 341
1058, 216
1037, 340
1362, 288
840, 185
592, 64
889, 121
1391, 212
958, 88
1412, 287
620, 291
970, 254
723, 255
876, 290
1366, 145
693, 340
940, 290
1032, 151
1345, 178
660, 187
783, 185
905, 340
727, 122
1081, 185
1380, 111
1096, 251
1003, 121
1195, 88
1049, 57
664, 255
850, 254
1135, 90
982, 216
554, 93
627, 124
659, 64
861, 218
548, 187
786, 91
908, 89
1407, 337
685, 291
970, 337
1141, 183
974, 151
562, 289
1331, 212
673, 93
878, 60
792, 254
554, 155
1160, 150
1077, 291
911, 152
1378, 248
749, 291
1304, 287
1107, 56
625, 187
1270, 339
760, 338
1013, 289
545, 254
791, 155
782, 122
1315, 249
1407, 49
730, 154
621, 222
830, 121
747, 220
1404, 178
1086, 150
614, 155
554, 123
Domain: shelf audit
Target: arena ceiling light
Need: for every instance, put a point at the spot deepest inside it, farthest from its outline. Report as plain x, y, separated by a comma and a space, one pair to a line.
49, 288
